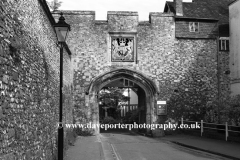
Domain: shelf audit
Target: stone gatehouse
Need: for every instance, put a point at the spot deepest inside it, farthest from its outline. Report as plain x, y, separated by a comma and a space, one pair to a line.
174, 57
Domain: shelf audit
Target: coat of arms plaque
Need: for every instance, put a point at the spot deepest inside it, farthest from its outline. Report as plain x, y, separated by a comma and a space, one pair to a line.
122, 49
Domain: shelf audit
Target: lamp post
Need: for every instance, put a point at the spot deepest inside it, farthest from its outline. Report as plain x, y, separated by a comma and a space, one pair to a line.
61, 29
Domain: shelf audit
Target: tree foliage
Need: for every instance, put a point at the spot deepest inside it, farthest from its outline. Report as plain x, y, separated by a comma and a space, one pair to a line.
54, 4
231, 112
192, 108
111, 96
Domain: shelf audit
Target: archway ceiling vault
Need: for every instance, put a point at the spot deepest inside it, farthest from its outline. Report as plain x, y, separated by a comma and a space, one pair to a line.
134, 76
120, 83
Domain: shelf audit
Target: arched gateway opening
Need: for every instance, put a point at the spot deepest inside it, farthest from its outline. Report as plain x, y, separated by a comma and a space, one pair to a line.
143, 86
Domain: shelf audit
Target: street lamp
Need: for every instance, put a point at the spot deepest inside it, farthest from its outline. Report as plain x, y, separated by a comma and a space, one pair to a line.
62, 29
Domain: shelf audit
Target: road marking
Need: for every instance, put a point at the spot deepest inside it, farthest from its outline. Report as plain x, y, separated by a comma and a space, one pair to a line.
115, 153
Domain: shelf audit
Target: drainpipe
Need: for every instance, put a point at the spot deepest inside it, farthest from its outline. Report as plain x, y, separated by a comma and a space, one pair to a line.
218, 75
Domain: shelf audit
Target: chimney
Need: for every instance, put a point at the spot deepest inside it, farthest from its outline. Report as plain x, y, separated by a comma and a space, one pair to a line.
179, 7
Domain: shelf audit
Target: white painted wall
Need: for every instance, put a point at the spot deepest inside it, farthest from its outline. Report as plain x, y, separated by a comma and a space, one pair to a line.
133, 96
234, 17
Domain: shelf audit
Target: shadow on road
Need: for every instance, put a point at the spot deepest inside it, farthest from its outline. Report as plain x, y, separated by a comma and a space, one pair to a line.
118, 131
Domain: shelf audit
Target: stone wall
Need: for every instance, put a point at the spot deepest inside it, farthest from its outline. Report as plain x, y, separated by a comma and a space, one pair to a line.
196, 69
29, 78
184, 70
224, 76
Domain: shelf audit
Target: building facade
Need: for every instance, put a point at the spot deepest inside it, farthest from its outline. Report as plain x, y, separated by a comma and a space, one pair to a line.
234, 9
180, 56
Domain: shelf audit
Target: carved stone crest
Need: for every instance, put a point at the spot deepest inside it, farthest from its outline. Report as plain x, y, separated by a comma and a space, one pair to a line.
122, 49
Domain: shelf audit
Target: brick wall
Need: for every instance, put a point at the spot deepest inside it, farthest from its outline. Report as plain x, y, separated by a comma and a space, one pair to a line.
29, 78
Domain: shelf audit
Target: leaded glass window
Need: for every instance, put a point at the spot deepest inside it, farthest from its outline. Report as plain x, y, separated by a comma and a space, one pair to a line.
193, 26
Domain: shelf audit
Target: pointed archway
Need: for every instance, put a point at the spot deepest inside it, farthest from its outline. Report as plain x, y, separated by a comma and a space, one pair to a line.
146, 84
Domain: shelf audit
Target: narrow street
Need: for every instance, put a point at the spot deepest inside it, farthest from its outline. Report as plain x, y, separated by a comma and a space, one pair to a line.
124, 145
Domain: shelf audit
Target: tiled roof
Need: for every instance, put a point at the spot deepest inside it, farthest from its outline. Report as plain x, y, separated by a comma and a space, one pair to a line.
233, 2
214, 9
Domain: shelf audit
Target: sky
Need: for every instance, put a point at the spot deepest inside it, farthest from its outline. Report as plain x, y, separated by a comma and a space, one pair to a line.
143, 7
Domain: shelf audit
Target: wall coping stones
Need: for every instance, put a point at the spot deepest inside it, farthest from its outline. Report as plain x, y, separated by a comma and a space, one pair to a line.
105, 22
144, 23
160, 14
101, 22
74, 12
122, 13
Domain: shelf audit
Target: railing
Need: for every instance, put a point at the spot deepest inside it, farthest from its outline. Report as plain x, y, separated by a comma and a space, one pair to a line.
226, 127
127, 108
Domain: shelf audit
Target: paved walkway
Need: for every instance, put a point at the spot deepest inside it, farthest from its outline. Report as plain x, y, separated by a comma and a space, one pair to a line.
219, 147
85, 148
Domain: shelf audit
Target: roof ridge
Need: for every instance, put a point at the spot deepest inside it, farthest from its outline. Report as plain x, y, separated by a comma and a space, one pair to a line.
214, 9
